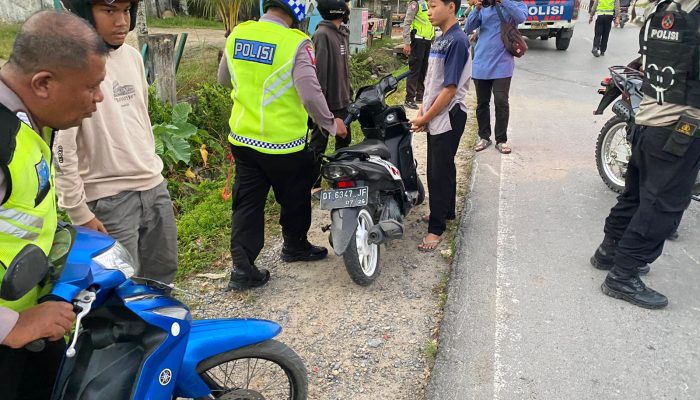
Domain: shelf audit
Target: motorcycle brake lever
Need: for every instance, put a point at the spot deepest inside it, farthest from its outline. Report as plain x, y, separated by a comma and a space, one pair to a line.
84, 303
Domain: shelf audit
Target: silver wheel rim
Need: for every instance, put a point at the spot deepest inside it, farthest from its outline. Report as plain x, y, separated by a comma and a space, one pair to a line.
367, 253
616, 153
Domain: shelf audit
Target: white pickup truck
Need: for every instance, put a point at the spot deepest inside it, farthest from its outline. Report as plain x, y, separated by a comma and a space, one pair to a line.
551, 18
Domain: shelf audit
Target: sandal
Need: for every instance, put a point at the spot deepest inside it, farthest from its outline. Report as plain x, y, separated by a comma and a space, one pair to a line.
427, 246
503, 148
482, 144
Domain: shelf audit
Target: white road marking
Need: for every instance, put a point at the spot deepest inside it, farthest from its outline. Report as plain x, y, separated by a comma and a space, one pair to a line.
505, 297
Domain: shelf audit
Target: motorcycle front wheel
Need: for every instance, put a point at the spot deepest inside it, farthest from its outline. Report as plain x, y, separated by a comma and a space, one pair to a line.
362, 258
268, 370
612, 153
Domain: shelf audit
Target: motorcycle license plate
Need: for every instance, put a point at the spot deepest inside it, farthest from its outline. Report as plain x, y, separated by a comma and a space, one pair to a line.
344, 198
538, 25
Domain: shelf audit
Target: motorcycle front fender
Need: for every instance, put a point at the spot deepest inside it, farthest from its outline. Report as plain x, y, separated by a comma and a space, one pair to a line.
211, 337
344, 222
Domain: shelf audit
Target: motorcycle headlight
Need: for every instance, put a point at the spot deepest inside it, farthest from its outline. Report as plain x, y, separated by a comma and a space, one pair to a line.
116, 257
333, 172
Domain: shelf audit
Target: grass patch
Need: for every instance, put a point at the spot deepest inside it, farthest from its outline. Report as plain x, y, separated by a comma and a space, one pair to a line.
431, 350
7, 39
204, 227
199, 65
184, 22
203, 230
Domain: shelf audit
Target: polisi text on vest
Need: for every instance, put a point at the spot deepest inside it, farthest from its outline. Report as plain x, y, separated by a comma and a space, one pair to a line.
663, 34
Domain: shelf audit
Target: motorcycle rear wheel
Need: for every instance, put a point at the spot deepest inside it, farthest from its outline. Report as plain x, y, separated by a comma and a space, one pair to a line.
362, 258
612, 153
233, 375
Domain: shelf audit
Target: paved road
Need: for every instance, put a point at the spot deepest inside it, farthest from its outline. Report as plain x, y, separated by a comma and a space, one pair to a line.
526, 318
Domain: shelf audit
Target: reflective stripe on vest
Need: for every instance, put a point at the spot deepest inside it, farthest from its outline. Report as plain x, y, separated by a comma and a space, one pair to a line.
421, 24
29, 214
267, 113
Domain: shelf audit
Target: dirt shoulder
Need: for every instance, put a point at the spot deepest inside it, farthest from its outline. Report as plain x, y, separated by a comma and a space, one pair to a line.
357, 342
196, 37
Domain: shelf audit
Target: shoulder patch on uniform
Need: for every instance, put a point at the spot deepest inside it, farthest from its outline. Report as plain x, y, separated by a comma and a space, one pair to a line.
251, 50
310, 52
9, 126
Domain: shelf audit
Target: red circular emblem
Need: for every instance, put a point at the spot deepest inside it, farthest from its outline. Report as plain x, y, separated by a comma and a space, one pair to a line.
668, 21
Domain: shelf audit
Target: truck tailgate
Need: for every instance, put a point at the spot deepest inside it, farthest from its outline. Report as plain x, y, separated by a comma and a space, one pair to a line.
549, 10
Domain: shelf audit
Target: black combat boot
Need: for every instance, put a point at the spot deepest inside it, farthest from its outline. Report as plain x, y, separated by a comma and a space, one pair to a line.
243, 278
604, 257
301, 250
632, 290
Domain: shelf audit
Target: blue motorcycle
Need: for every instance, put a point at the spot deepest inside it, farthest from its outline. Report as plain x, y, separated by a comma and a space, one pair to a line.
134, 341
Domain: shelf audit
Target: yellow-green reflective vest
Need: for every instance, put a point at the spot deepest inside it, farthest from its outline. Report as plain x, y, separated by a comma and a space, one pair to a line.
421, 24
267, 114
29, 214
606, 7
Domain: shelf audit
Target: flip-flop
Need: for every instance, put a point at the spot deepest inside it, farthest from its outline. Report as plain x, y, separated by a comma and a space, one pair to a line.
422, 247
482, 144
503, 148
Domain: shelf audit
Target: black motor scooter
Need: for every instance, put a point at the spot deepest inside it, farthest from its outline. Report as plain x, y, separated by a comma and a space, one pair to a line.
374, 183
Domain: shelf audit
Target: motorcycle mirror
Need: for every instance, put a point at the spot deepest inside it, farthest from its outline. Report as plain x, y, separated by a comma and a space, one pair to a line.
27, 269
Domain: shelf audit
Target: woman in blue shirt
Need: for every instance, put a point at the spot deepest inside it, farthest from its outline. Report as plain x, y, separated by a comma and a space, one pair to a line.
493, 67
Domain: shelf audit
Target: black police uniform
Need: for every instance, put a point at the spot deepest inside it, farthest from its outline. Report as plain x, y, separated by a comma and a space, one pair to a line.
664, 162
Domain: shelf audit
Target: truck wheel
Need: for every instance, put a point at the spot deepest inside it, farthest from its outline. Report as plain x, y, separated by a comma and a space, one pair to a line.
563, 44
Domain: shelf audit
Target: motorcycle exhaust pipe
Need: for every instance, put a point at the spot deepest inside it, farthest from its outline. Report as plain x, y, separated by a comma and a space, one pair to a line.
385, 231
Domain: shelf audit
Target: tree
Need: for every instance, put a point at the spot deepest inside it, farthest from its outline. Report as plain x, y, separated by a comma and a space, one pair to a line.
229, 11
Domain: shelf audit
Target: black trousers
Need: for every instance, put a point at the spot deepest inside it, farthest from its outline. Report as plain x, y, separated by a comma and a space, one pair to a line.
603, 25
290, 176
25, 375
500, 89
418, 65
442, 172
657, 191
319, 143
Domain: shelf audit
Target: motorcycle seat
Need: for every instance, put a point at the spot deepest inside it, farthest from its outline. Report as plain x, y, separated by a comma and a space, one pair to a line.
371, 147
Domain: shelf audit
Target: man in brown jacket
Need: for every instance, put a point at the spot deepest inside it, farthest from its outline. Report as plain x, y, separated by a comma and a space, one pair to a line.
331, 43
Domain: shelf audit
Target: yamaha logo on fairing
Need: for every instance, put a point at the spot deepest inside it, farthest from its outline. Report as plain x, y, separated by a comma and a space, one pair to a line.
662, 34
165, 376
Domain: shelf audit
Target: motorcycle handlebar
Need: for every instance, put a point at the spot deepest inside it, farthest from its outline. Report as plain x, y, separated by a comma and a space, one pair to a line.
40, 344
403, 76
348, 120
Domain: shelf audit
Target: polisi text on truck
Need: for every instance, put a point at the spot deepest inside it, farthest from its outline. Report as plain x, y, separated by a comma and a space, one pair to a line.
546, 10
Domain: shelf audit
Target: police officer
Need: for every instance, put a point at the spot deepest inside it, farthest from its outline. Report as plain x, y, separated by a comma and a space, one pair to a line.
607, 11
418, 33
665, 154
50, 82
270, 68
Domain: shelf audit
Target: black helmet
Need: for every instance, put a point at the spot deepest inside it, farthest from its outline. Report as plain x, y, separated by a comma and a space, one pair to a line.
83, 8
334, 9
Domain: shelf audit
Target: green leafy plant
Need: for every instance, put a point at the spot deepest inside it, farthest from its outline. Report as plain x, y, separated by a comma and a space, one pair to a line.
172, 138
